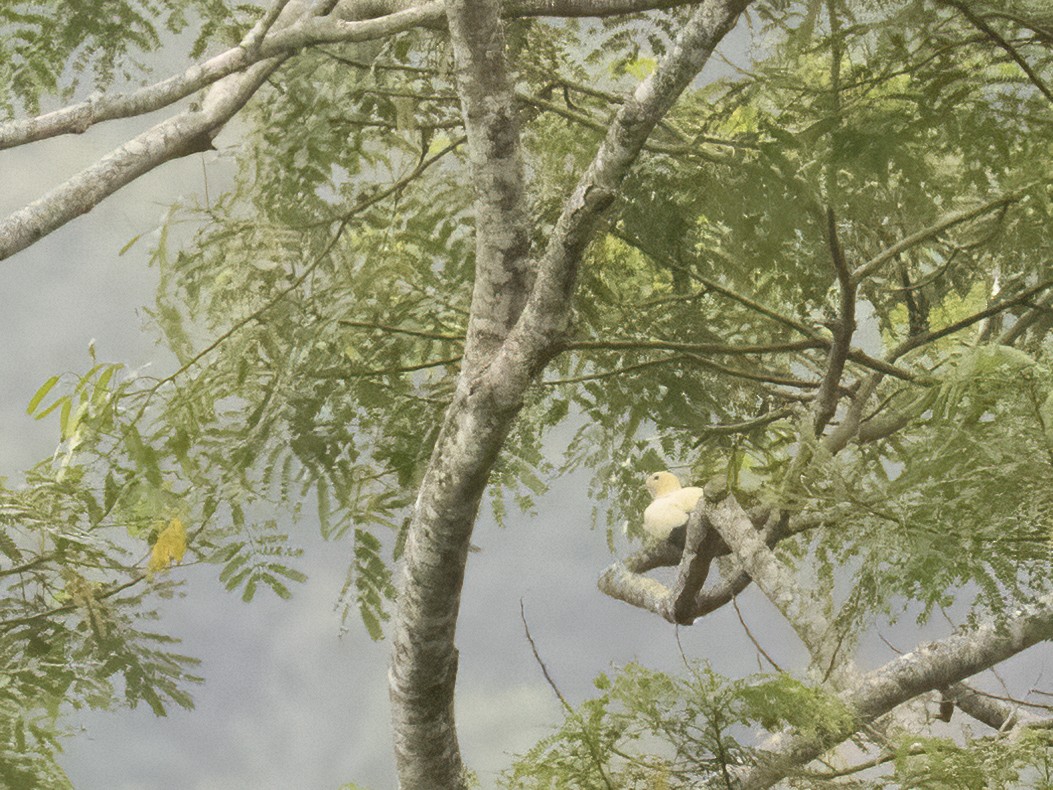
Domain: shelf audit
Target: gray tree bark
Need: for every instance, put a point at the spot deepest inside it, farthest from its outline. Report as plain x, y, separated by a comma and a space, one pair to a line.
519, 316
932, 666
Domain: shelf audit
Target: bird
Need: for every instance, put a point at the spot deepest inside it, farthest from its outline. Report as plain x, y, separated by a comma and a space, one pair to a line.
665, 518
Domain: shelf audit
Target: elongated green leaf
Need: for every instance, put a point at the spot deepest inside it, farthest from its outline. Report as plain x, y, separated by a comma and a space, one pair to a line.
41, 393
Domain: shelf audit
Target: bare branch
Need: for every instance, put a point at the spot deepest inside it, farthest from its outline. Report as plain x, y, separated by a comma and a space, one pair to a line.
342, 373
754, 374
702, 544
746, 426
753, 639
594, 750
626, 582
1041, 308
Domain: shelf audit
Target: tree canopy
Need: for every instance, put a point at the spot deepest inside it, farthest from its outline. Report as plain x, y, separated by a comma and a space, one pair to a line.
816, 279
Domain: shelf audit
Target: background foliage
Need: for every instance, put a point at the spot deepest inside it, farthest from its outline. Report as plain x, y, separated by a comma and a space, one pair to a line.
317, 311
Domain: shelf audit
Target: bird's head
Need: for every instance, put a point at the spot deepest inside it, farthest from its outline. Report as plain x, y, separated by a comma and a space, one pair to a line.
661, 483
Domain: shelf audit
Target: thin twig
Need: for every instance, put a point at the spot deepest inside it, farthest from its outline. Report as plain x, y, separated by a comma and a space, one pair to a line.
753, 639
949, 221
593, 748
402, 330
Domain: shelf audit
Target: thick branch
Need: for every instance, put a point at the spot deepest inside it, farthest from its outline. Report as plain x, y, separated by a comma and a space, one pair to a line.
490, 390
775, 580
701, 546
424, 663
535, 337
504, 273
933, 666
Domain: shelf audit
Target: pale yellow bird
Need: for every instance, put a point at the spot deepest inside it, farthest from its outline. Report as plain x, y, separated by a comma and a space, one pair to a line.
671, 506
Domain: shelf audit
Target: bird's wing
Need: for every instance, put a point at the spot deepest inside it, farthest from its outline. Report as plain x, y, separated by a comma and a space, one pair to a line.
685, 498
663, 516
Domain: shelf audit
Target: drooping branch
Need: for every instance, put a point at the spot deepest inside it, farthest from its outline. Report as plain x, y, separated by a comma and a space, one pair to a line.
932, 666
341, 226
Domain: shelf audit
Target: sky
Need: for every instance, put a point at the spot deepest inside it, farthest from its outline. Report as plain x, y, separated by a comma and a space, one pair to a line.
288, 701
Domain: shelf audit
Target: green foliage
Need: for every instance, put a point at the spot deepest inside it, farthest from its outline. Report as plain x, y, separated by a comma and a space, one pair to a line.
371, 580
74, 601
49, 46
317, 310
982, 763
649, 730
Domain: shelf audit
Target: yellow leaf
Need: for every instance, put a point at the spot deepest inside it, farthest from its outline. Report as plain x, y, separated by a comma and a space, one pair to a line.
170, 546
641, 67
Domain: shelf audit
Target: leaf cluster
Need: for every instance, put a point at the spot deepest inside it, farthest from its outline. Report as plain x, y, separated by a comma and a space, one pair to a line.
50, 46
